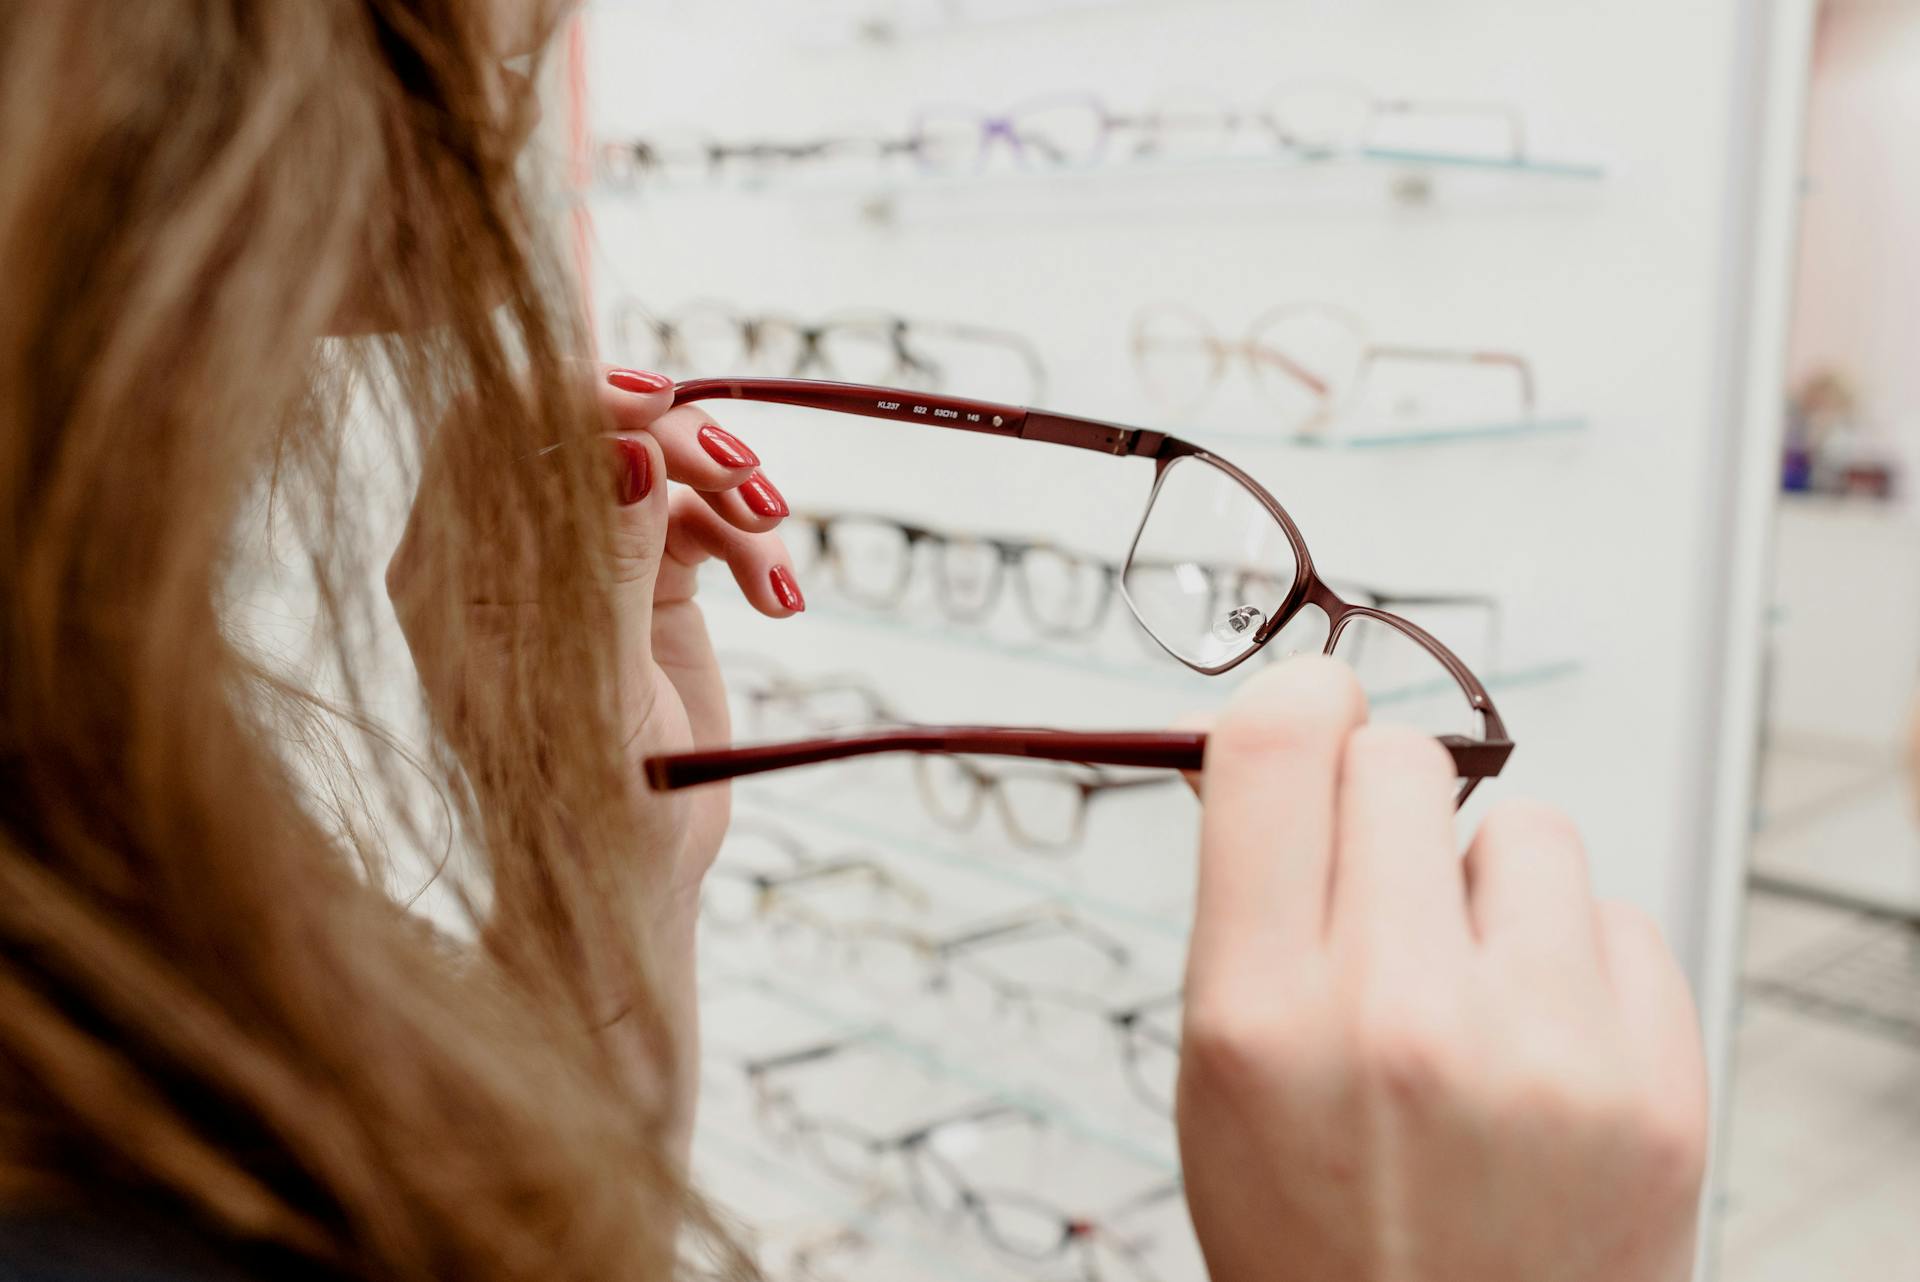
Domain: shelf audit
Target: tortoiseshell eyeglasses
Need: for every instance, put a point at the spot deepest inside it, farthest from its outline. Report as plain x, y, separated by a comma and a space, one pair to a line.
1201, 513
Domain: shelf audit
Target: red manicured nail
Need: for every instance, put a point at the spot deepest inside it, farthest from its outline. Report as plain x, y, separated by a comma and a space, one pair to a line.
760, 495
786, 589
632, 471
726, 449
638, 381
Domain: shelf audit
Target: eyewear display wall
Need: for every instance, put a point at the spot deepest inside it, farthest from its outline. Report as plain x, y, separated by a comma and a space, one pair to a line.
877, 562
1309, 287
864, 347
1306, 120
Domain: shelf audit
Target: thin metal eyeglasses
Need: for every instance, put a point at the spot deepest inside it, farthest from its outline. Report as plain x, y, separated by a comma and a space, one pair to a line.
866, 346
1199, 506
1015, 1222
1311, 361
1315, 120
772, 883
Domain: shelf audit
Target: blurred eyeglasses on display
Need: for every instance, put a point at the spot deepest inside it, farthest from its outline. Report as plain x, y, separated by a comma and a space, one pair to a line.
766, 876
772, 700
1306, 120
876, 561
1042, 806
863, 347
1316, 368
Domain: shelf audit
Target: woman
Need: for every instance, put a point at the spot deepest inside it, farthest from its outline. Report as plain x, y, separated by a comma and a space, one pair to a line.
225, 1050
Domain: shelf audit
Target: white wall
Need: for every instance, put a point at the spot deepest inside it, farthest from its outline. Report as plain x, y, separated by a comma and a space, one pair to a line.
1610, 547
1591, 539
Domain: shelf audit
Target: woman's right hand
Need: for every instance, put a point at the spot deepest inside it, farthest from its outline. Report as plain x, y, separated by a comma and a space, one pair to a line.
1399, 1066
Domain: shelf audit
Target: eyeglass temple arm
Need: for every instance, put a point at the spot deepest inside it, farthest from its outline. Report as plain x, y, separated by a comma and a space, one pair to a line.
1154, 749
1019, 343
928, 409
980, 1113
761, 1065
1520, 365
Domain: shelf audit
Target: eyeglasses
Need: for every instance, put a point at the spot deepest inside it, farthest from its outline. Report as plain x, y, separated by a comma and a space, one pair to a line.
1201, 510
1042, 807
1310, 119
876, 347
1025, 1225
1016, 1223
1058, 1014
828, 1254
770, 696
1312, 362
1321, 120
766, 875
1332, 118
874, 561
1316, 120
956, 964
1057, 131
844, 1148
1305, 633
1148, 1034
663, 156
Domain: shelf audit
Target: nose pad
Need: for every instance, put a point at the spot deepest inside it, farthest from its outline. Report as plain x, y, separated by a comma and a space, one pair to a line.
1239, 623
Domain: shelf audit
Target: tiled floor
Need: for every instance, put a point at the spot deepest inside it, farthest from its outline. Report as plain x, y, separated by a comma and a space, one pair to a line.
1823, 1161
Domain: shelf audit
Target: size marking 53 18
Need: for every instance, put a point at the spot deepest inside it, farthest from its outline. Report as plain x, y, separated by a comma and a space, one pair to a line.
937, 412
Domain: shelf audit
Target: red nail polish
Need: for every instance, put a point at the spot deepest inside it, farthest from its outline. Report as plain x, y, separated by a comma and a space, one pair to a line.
638, 381
632, 471
726, 449
786, 589
760, 495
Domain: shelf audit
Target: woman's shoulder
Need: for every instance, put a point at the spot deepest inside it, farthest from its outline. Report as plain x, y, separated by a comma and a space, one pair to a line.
70, 1246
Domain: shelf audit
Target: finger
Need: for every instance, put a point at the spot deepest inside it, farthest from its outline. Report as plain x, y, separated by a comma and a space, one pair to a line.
1663, 1025
700, 452
1529, 895
639, 529
1652, 991
759, 561
1396, 872
755, 504
632, 399
1266, 832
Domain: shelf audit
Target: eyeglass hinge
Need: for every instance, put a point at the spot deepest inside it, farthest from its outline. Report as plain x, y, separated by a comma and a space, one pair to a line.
1140, 441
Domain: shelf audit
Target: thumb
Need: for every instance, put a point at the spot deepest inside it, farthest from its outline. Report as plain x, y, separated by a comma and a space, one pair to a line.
639, 533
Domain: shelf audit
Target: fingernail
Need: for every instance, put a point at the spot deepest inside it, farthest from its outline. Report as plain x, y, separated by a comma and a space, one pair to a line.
639, 382
787, 590
726, 449
760, 495
632, 471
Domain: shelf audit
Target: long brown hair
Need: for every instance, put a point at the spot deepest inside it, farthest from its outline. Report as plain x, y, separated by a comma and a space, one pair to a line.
210, 1002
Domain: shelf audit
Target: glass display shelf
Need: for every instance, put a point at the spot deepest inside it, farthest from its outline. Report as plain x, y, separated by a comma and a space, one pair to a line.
863, 1215
1421, 437
869, 181
1147, 671
1021, 872
934, 1063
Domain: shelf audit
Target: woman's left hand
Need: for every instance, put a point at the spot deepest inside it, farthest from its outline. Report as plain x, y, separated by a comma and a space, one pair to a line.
670, 695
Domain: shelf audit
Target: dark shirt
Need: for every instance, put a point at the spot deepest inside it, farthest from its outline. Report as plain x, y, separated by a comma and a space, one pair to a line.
76, 1248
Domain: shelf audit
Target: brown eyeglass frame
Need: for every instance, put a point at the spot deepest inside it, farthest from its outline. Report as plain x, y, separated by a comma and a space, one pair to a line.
1475, 760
